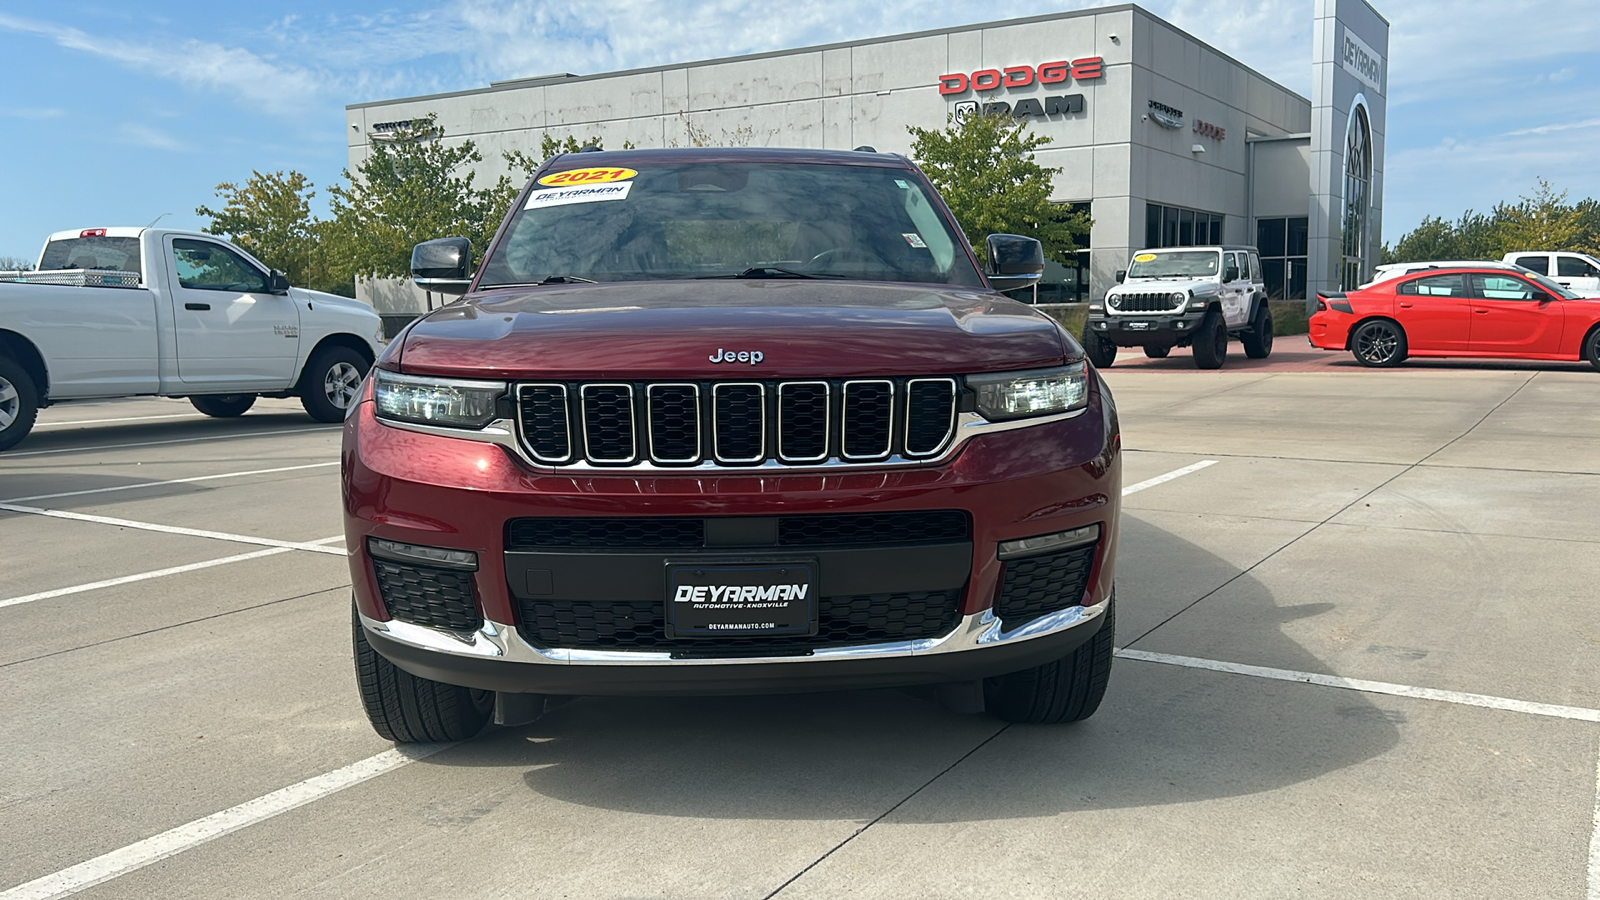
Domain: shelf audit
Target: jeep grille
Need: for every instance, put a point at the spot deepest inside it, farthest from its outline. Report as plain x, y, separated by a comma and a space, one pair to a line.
737, 423
1160, 301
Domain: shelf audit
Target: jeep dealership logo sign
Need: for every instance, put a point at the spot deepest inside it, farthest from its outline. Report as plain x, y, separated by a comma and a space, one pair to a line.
1361, 61
986, 80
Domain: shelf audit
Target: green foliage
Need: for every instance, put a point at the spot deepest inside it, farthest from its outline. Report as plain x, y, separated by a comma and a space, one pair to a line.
411, 189
984, 168
270, 216
1542, 221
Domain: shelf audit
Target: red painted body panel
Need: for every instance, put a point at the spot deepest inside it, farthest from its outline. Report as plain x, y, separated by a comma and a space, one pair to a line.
1552, 329
448, 492
803, 328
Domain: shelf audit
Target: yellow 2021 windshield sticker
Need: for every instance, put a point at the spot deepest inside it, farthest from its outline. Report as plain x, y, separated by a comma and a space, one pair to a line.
1144, 257
573, 177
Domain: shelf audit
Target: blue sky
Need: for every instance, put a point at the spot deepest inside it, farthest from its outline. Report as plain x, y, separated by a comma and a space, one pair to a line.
117, 113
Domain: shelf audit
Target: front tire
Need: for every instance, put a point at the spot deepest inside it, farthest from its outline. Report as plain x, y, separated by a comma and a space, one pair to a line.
406, 709
1100, 351
1211, 344
1591, 351
1067, 690
224, 406
331, 382
1378, 344
19, 403
1258, 343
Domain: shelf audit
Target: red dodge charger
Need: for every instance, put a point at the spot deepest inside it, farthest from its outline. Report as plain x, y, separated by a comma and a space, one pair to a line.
1459, 311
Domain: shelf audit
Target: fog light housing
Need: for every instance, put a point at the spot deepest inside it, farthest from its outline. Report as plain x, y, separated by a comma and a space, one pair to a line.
1049, 543
437, 557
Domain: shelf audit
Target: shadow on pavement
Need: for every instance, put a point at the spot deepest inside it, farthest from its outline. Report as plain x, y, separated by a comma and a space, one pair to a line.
1164, 735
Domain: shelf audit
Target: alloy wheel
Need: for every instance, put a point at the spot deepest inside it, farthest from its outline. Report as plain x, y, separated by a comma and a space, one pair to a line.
10, 404
341, 384
1377, 343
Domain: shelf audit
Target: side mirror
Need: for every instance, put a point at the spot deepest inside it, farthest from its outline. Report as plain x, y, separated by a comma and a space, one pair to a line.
1231, 273
277, 282
1014, 261
1122, 275
442, 265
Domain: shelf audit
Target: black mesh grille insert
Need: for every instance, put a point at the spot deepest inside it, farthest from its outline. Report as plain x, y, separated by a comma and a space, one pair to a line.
608, 422
1031, 587
541, 534
739, 418
868, 410
803, 421
1158, 302
872, 528
811, 530
930, 415
674, 423
544, 421
421, 595
641, 625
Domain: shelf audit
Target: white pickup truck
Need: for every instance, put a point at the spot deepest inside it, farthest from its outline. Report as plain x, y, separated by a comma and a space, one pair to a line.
124, 312
1578, 272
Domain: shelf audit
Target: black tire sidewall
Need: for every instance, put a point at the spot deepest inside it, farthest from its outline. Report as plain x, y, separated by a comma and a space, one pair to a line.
1213, 334
223, 406
27, 403
1591, 346
1100, 351
1395, 358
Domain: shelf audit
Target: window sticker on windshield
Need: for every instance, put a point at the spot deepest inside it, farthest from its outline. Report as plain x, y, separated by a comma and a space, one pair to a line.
901, 184
915, 240
586, 176
1145, 257
562, 196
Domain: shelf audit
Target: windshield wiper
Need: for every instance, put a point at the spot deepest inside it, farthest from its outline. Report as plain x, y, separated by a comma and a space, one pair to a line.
567, 279
777, 272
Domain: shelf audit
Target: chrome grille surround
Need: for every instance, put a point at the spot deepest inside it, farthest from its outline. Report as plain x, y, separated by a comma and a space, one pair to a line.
950, 427
887, 419
590, 428
650, 422
716, 421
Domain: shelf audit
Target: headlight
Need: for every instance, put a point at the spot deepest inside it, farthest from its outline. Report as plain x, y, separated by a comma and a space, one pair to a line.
1114, 301
1038, 392
1179, 296
378, 337
450, 402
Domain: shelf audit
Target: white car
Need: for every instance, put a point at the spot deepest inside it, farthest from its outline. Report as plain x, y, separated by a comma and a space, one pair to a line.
1395, 270
1578, 272
123, 312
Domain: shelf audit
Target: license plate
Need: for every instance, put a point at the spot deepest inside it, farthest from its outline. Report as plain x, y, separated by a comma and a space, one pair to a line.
740, 599
1138, 326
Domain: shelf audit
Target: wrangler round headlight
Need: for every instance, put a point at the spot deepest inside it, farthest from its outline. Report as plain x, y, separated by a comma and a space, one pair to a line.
447, 402
1037, 392
1179, 296
1114, 301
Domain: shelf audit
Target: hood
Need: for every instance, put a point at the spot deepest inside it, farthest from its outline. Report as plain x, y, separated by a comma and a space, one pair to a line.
1158, 285
674, 329
321, 301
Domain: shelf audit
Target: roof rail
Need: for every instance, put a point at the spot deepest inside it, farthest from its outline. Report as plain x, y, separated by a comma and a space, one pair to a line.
865, 148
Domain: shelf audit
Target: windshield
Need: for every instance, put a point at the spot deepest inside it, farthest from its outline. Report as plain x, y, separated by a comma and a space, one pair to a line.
117, 253
1176, 264
722, 220
1553, 287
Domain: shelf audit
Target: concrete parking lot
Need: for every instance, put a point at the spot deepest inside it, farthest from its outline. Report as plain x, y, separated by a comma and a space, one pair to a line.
1360, 658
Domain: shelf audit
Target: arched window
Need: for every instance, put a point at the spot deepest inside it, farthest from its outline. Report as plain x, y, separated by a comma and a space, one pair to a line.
1357, 198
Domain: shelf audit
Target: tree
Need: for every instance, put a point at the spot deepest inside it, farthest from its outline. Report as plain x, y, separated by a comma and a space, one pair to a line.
15, 264
411, 188
984, 168
1543, 221
270, 216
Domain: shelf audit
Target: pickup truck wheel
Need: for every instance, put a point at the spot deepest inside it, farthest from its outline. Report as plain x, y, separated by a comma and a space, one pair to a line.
1157, 352
406, 709
1100, 351
19, 404
1378, 343
224, 406
1211, 343
1258, 343
331, 382
1067, 690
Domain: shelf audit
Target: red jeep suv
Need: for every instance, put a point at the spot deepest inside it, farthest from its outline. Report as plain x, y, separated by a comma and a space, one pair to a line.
729, 421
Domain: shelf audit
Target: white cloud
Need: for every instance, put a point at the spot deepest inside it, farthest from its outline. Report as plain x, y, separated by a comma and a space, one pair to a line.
32, 113
145, 136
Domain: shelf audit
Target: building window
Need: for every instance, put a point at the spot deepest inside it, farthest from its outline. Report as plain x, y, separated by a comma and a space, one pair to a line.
1282, 243
1172, 226
1357, 198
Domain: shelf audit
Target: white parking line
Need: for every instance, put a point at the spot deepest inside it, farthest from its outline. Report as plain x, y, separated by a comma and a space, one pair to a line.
1163, 479
170, 843
188, 440
192, 415
158, 573
145, 484
1578, 713
168, 529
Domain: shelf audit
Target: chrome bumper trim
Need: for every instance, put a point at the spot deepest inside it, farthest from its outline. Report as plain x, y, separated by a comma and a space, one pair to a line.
498, 641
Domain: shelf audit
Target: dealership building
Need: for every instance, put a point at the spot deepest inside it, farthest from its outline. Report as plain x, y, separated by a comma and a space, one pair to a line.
1163, 139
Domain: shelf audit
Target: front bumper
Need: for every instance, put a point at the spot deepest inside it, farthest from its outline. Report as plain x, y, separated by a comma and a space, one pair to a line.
1136, 330
446, 492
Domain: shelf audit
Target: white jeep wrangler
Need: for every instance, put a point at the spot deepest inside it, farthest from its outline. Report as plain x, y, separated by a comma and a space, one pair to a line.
1183, 297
